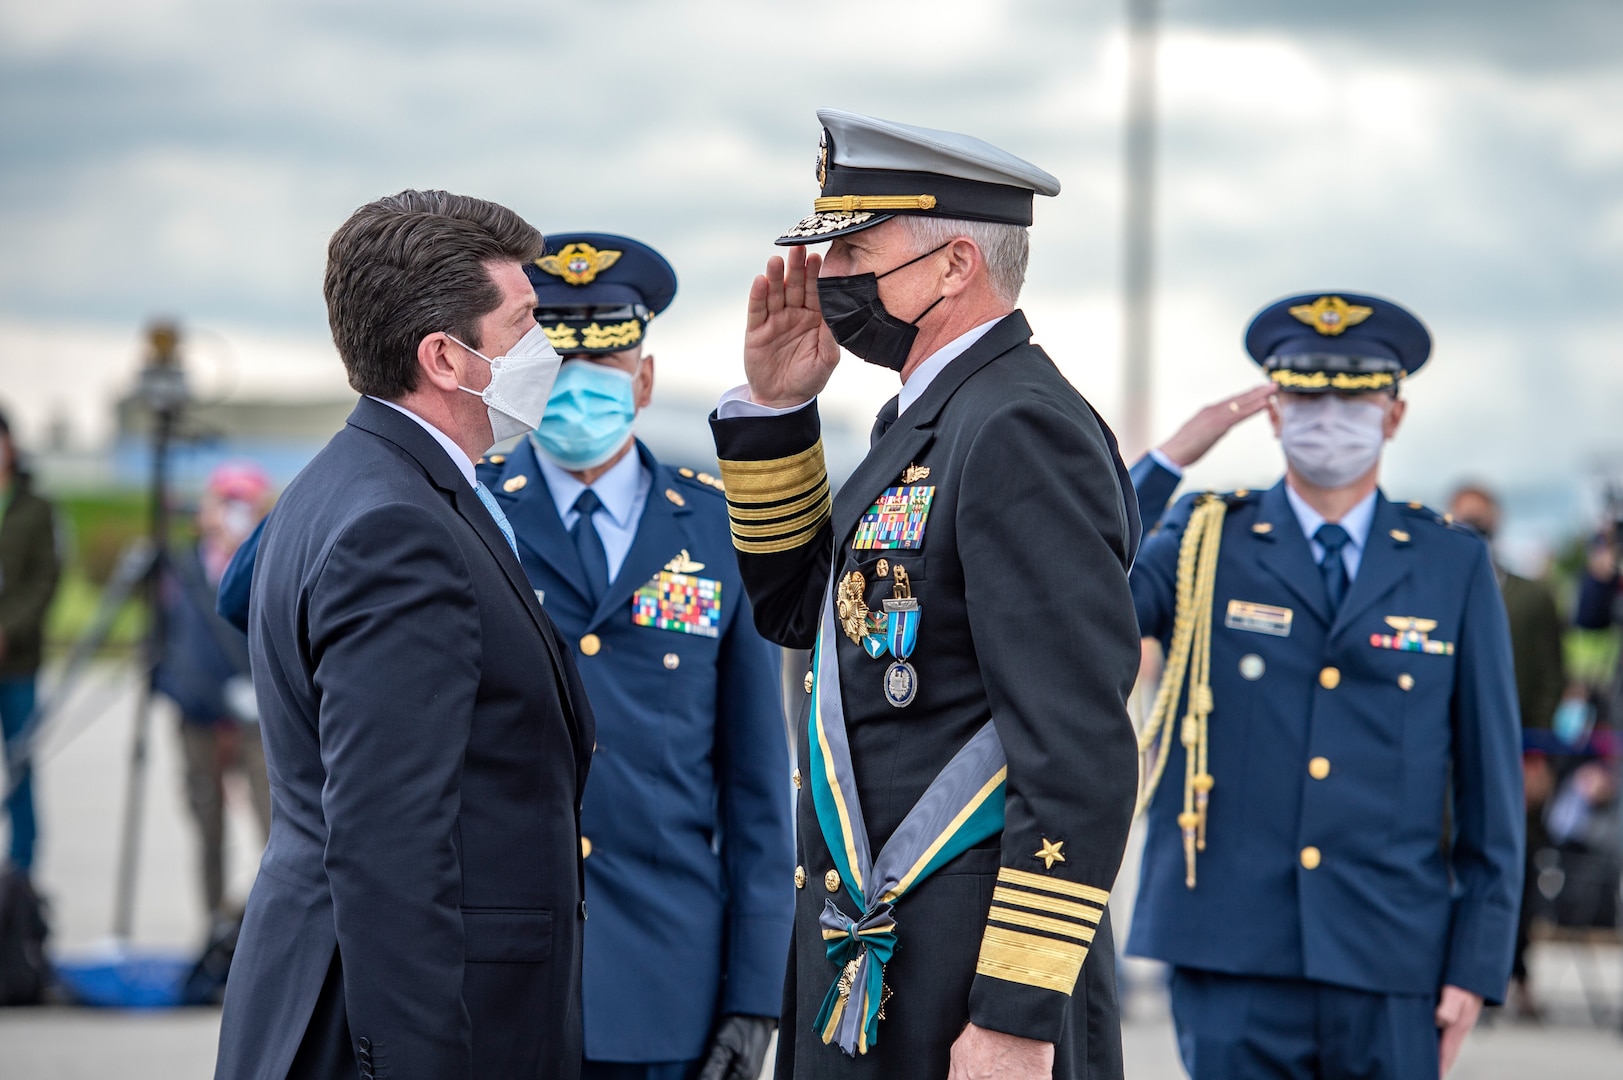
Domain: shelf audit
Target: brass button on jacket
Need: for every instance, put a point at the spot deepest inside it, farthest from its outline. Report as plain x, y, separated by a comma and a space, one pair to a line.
1330, 678
1311, 858
591, 645
1319, 768
800, 877
831, 881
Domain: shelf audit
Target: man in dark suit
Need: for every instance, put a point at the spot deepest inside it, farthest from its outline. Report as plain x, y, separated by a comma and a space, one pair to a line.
688, 840
1333, 862
418, 908
965, 750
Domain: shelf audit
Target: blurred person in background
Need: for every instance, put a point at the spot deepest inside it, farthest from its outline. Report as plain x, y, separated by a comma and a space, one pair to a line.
29, 570
205, 670
1535, 645
1358, 676
685, 951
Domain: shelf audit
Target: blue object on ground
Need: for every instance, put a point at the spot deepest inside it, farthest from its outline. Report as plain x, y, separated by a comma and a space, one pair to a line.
126, 980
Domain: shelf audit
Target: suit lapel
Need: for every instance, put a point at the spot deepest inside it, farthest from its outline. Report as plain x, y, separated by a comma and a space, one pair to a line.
907, 438
1282, 551
660, 534
1382, 567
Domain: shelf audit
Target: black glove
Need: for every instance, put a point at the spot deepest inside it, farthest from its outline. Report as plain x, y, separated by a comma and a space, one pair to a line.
739, 1048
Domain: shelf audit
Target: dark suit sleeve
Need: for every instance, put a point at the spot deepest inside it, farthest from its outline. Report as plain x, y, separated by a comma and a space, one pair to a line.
1154, 484
1595, 602
1535, 637
1043, 535
779, 506
1488, 807
27, 592
232, 599
1155, 573
757, 827
395, 640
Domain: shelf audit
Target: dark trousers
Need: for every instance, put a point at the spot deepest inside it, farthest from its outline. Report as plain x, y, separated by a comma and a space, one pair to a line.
1236, 1026
634, 1070
16, 706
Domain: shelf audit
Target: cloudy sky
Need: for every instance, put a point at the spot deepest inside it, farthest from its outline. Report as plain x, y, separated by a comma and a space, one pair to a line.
1463, 156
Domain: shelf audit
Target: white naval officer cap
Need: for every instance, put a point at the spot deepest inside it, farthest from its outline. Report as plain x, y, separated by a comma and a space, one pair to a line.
871, 170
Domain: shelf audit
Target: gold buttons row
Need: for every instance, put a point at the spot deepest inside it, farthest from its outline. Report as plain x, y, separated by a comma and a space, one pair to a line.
831, 880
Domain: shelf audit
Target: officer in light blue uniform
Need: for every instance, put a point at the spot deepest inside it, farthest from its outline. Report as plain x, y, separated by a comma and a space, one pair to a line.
1333, 857
686, 824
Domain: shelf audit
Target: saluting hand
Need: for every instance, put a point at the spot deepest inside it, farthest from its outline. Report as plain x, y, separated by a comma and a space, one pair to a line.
789, 353
1202, 431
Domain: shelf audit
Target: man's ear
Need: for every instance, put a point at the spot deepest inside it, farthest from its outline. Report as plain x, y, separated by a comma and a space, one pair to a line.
1394, 417
643, 387
964, 260
438, 362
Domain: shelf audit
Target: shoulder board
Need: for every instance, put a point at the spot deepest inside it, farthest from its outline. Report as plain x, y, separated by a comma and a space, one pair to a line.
698, 479
1238, 497
1425, 513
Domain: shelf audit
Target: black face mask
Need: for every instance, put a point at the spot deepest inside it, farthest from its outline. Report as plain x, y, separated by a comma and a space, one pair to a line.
858, 319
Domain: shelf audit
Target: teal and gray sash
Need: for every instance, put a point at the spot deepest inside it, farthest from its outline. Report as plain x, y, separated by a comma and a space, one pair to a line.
961, 807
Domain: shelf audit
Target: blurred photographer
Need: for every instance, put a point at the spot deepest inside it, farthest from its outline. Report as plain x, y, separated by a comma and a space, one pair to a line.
205, 670
29, 569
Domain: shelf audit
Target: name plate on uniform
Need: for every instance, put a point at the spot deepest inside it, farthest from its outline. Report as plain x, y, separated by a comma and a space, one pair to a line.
1259, 618
896, 520
680, 602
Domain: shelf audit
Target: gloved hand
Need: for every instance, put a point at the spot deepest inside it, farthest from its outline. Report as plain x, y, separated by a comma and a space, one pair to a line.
738, 1049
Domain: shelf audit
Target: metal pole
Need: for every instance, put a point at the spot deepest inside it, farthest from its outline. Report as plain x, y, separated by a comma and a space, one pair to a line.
162, 384
1138, 225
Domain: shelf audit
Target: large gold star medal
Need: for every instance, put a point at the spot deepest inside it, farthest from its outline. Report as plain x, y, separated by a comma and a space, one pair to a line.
578, 264
1331, 315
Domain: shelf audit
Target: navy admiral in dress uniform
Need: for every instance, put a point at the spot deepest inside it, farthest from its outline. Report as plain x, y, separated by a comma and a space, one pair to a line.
686, 824
1333, 858
965, 754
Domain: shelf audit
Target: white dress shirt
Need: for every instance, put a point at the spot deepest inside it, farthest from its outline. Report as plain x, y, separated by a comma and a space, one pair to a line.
736, 402
458, 458
1356, 521
623, 491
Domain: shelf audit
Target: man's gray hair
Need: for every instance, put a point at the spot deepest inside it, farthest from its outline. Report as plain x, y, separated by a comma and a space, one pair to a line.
1004, 247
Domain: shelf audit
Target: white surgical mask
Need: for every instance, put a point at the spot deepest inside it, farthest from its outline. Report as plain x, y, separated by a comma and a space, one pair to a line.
520, 384
1331, 440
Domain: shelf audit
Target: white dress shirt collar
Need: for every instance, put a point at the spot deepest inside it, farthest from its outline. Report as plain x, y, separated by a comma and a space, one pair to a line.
458, 458
923, 375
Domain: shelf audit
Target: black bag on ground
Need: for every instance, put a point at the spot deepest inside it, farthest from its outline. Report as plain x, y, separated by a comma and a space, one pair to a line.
24, 971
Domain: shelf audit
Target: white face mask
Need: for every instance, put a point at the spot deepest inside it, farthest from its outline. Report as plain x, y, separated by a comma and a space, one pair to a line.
520, 384
1331, 440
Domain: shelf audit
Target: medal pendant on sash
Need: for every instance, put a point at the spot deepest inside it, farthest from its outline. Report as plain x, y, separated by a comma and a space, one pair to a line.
901, 634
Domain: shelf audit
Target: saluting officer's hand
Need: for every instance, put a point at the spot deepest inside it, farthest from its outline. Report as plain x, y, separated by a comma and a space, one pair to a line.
789, 353
1457, 1012
982, 1054
1202, 431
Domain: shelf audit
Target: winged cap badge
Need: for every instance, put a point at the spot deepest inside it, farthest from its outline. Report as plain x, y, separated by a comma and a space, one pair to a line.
683, 564
1331, 315
578, 264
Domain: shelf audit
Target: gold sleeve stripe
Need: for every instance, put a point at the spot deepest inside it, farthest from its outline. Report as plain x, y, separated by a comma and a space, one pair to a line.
1030, 959
1027, 880
783, 523
775, 479
1011, 917
1079, 912
740, 511
786, 543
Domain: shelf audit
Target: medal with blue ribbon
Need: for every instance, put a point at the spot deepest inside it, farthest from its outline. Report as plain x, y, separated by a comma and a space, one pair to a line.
901, 634
962, 806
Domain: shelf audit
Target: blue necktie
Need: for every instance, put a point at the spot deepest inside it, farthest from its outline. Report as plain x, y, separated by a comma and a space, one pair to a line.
1333, 567
589, 545
502, 523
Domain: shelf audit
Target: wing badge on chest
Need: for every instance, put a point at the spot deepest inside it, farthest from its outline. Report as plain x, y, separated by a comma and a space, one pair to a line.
677, 599
1411, 635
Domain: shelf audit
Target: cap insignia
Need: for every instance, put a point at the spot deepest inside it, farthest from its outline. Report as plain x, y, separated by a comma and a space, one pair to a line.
578, 264
1330, 315
822, 158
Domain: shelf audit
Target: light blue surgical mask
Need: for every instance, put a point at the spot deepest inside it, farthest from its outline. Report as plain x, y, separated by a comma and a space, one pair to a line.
589, 415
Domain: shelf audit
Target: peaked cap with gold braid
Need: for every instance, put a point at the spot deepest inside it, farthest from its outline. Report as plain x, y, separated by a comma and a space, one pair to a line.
597, 292
1320, 343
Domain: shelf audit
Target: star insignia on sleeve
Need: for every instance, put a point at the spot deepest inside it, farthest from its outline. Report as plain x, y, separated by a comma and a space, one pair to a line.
1050, 854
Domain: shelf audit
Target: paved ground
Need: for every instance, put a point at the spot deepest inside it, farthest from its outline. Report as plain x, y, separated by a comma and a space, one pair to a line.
83, 786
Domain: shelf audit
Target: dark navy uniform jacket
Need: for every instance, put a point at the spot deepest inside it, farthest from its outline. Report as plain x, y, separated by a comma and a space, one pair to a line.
687, 814
1366, 824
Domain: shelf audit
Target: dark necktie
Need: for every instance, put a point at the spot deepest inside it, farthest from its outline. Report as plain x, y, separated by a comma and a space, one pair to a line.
887, 416
589, 546
1333, 567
